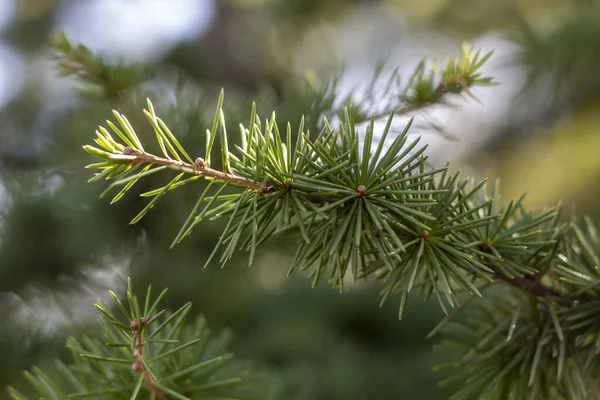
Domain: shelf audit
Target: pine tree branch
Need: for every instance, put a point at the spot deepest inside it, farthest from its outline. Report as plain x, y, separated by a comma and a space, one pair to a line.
386, 213
456, 79
78, 60
182, 355
322, 185
328, 183
528, 283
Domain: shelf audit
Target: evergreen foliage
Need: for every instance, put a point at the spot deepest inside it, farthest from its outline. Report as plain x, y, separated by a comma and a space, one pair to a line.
380, 212
147, 353
362, 210
93, 70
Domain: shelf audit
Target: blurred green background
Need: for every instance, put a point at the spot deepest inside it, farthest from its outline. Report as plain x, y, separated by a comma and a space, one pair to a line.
61, 247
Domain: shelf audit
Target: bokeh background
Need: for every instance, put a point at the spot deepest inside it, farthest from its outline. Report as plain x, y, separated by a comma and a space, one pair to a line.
61, 248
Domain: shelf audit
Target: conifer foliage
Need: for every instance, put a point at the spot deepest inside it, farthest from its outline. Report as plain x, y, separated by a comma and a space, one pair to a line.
360, 208
146, 353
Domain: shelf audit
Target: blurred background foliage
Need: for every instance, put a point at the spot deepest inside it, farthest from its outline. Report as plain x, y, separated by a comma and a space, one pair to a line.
61, 247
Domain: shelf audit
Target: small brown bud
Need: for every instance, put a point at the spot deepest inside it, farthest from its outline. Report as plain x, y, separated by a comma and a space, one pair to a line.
134, 325
136, 353
128, 151
143, 321
136, 366
425, 234
200, 163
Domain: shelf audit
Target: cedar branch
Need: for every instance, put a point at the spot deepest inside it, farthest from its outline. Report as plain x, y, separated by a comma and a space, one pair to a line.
529, 283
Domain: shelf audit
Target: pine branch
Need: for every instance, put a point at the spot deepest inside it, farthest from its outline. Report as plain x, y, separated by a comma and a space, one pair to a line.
426, 88
114, 80
390, 203
156, 354
514, 346
366, 211
527, 283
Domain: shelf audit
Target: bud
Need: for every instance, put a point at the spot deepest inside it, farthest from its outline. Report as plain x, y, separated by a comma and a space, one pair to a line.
128, 151
200, 163
361, 189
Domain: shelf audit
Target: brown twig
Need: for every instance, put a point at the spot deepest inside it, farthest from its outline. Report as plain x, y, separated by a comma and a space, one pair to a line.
530, 284
199, 167
138, 353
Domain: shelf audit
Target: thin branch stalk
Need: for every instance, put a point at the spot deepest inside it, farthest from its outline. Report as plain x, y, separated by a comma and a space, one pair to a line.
199, 168
531, 284
137, 326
